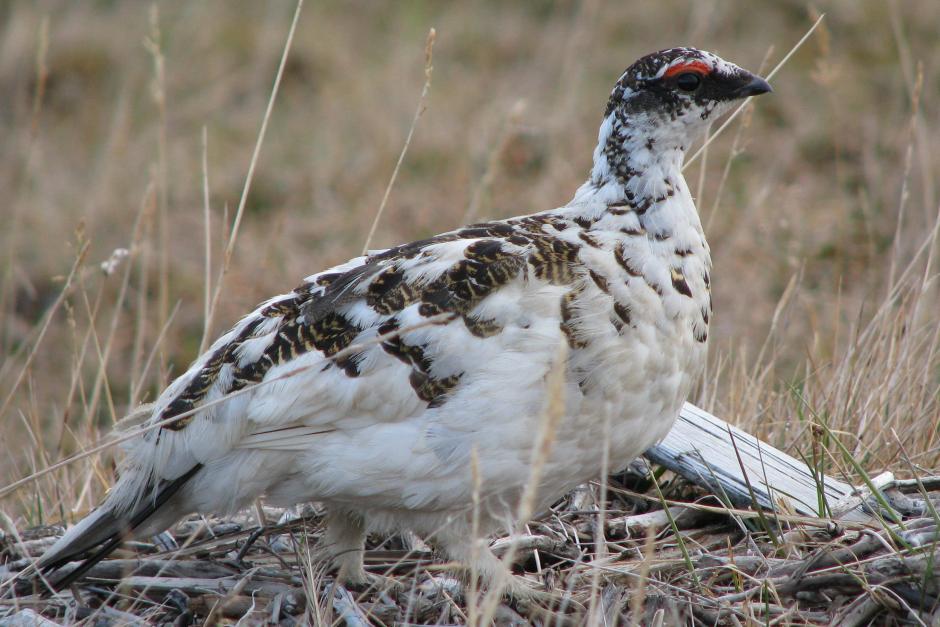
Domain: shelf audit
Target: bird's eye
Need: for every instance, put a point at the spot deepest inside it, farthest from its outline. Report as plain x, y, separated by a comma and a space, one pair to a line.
688, 81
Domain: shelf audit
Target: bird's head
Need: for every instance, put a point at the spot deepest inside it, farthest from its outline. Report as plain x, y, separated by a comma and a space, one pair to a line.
661, 104
679, 91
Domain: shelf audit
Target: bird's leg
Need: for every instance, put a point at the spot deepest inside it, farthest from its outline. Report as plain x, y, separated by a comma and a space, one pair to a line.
494, 575
490, 571
343, 544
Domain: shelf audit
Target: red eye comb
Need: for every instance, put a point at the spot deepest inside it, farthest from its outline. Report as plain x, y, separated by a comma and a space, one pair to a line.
692, 66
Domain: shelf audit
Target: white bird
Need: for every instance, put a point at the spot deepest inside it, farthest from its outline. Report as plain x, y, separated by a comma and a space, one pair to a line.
384, 435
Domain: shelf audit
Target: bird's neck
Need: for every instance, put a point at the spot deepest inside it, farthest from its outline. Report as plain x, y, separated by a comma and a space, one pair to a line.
637, 164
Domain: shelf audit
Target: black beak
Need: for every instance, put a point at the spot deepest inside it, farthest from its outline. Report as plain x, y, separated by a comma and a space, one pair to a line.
754, 87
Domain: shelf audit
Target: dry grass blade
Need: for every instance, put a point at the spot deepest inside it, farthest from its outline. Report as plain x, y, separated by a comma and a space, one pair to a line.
154, 45
135, 433
207, 219
689, 161
638, 597
552, 414
481, 190
249, 177
428, 69
50, 314
104, 353
600, 539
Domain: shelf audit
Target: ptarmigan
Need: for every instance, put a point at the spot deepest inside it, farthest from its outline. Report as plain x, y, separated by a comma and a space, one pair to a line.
384, 435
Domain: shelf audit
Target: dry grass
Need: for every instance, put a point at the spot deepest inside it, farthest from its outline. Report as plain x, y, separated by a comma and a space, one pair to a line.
821, 205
